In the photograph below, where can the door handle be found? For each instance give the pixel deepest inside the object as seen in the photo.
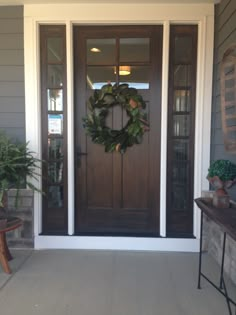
(78, 157)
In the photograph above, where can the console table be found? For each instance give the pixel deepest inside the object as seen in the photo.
(226, 220)
(5, 255)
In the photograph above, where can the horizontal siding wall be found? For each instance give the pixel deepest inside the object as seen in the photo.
(12, 98)
(225, 35)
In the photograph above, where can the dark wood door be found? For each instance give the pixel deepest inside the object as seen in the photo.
(118, 194)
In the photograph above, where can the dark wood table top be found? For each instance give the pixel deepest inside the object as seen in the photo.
(12, 223)
(225, 218)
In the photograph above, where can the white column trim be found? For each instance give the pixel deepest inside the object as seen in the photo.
(203, 111)
(32, 108)
(164, 116)
(70, 127)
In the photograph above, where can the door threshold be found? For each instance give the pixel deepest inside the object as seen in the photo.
(117, 243)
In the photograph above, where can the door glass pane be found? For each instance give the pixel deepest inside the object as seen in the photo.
(55, 49)
(138, 78)
(180, 150)
(183, 49)
(181, 101)
(182, 75)
(55, 76)
(55, 170)
(55, 196)
(55, 148)
(55, 99)
(134, 49)
(101, 51)
(179, 198)
(98, 76)
(55, 124)
(181, 125)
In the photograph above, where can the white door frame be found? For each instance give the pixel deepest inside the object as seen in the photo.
(108, 14)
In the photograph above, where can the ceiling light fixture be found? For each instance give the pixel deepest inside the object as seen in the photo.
(95, 49)
(124, 70)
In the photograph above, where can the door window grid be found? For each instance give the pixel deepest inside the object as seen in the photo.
(54, 134)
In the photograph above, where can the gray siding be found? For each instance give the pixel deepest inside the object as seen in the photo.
(12, 97)
(225, 35)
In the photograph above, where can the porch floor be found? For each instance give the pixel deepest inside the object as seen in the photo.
(75, 282)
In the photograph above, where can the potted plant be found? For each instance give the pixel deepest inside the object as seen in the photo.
(18, 166)
(222, 175)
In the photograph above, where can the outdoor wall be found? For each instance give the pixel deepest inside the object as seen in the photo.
(225, 34)
(12, 100)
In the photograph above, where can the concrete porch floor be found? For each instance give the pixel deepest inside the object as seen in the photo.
(75, 282)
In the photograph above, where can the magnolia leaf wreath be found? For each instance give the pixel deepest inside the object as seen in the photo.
(99, 105)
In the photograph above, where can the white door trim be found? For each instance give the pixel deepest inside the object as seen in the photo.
(106, 14)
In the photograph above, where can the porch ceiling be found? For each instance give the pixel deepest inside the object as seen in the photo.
(21, 2)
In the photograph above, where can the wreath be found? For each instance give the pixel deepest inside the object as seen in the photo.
(95, 121)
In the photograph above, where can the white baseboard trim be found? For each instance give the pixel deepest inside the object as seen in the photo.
(116, 243)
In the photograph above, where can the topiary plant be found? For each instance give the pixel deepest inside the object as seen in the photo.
(222, 174)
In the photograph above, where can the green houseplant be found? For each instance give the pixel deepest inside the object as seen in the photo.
(222, 175)
(18, 166)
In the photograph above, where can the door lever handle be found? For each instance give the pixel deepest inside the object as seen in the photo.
(78, 157)
(81, 153)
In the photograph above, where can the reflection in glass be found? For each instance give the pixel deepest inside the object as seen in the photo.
(183, 49)
(134, 49)
(182, 75)
(55, 76)
(181, 101)
(55, 124)
(138, 78)
(55, 148)
(55, 196)
(101, 51)
(55, 99)
(179, 173)
(54, 49)
(98, 76)
(180, 150)
(179, 197)
(55, 171)
(181, 125)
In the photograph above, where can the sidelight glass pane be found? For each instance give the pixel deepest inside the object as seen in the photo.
(55, 76)
(55, 99)
(55, 196)
(55, 148)
(101, 51)
(55, 49)
(183, 49)
(181, 126)
(179, 198)
(55, 124)
(181, 101)
(55, 171)
(134, 49)
(180, 150)
(180, 173)
(182, 75)
(98, 76)
(138, 78)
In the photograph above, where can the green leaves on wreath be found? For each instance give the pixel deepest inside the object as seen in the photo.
(95, 121)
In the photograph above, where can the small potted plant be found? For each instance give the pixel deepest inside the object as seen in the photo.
(221, 175)
(18, 166)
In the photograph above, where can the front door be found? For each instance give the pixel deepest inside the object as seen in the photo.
(118, 194)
